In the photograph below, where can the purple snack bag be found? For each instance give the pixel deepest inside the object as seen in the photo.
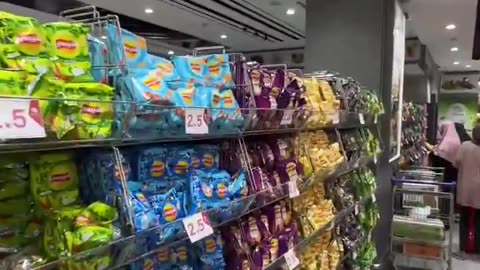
(257, 258)
(276, 183)
(281, 149)
(251, 231)
(286, 241)
(267, 156)
(256, 176)
(263, 226)
(275, 221)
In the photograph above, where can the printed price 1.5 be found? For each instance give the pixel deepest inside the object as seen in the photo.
(197, 227)
(20, 118)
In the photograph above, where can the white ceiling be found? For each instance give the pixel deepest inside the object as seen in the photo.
(171, 15)
(429, 18)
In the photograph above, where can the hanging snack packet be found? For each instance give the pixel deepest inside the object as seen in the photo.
(98, 53)
(68, 50)
(24, 45)
(13, 83)
(163, 69)
(90, 119)
(128, 49)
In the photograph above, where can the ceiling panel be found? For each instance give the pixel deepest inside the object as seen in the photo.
(429, 18)
(209, 19)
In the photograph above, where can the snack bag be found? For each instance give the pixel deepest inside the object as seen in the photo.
(192, 69)
(209, 157)
(54, 181)
(13, 83)
(24, 45)
(163, 69)
(68, 50)
(127, 48)
(98, 53)
(219, 74)
(211, 253)
(89, 119)
(226, 115)
(151, 164)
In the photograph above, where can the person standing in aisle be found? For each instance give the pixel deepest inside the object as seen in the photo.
(443, 155)
(468, 192)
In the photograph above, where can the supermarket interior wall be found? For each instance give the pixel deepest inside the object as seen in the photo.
(355, 38)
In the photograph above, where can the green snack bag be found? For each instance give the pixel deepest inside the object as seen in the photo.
(90, 119)
(13, 189)
(53, 180)
(13, 83)
(25, 33)
(96, 213)
(68, 50)
(85, 238)
(13, 223)
(16, 206)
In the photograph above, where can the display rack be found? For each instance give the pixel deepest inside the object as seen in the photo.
(344, 110)
(414, 134)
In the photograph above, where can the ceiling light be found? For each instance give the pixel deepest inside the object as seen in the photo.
(148, 10)
(103, 37)
(171, 52)
(223, 36)
(468, 66)
(290, 11)
(456, 63)
(454, 49)
(450, 26)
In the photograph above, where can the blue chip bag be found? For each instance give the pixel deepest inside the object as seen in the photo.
(135, 49)
(200, 190)
(219, 74)
(226, 115)
(191, 69)
(98, 53)
(179, 161)
(163, 259)
(211, 253)
(209, 156)
(220, 182)
(169, 208)
(163, 69)
(181, 257)
(152, 164)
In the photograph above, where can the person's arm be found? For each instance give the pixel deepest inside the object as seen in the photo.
(458, 158)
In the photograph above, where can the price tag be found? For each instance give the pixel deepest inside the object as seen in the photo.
(195, 121)
(197, 227)
(374, 198)
(356, 210)
(291, 259)
(375, 119)
(375, 159)
(334, 116)
(361, 118)
(287, 118)
(20, 118)
(293, 189)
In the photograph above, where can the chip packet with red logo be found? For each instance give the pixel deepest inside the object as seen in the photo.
(68, 51)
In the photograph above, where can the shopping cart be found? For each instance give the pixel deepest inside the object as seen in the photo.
(423, 212)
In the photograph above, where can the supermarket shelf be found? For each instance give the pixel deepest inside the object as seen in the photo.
(249, 204)
(341, 169)
(253, 122)
(278, 263)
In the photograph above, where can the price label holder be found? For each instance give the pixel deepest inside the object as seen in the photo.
(361, 117)
(287, 117)
(195, 122)
(293, 189)
(291, 259)
(197, 227)
(334, 116)
(20, 119)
